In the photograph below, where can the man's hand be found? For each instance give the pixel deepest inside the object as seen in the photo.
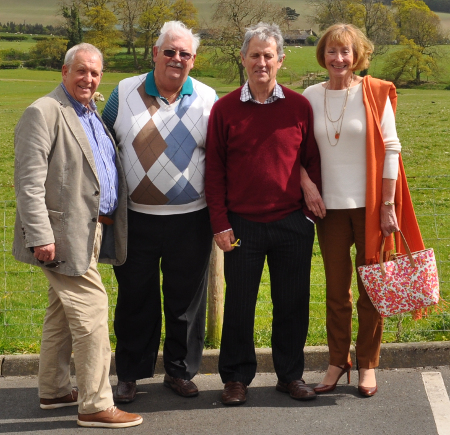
(224, 240)
(45, 252)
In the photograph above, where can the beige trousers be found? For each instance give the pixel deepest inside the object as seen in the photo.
(77, 317)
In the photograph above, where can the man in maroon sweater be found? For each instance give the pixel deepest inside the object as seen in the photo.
(260, 137)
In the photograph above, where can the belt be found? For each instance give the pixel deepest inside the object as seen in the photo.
(105, 220)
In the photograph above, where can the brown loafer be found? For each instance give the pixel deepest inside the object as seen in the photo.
(297, 389)
(125, 392)
(70, 399)
(234, 393)
(112, 417)
(181, 386)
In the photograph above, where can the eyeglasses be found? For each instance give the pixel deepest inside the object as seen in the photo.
(237, 243)
(184, 55)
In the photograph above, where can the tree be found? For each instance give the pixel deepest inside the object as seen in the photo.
(231, 18)
(185, 11)
(49, 53)
(128, 12)
(371, 16)
(406, 63)
(417, 23)
(289, 16)
(72, 25)
(102, 32)
(155, 14)
(99, 21)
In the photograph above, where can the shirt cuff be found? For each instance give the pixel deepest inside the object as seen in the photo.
(224, 231)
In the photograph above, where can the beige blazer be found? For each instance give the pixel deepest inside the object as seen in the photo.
(57, 189)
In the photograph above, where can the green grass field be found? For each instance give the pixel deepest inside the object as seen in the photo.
(423, 126)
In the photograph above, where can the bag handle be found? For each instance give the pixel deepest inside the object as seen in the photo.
(408, 252)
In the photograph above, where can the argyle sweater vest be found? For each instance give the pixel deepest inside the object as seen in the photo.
(162, 147)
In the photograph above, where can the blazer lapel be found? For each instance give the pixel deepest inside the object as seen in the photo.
(75, 126)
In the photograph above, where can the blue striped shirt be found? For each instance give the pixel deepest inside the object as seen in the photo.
(104, 154)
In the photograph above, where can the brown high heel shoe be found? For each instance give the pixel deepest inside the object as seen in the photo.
(322, 388)
(367, 391)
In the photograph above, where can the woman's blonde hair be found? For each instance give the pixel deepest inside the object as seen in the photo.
(343, 34)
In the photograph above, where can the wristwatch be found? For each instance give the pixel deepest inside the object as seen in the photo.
(388, 203)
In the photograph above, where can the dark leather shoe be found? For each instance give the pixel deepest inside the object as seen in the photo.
(234, 393)
(367, 391)
(297, 389)
(125, 392)
(111, 418)
(181, 386)
(70, 399)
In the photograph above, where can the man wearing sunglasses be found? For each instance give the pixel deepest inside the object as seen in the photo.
(71, 214)
(159, 120)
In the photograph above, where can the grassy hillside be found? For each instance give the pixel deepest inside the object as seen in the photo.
(46, 11)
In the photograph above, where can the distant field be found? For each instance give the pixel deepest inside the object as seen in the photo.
(45, 11)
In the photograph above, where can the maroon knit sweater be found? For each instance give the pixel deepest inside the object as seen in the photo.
(253, 155)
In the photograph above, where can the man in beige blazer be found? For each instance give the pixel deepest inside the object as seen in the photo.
(71, 214)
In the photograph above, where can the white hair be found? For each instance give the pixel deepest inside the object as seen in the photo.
(84, 46)
(175, 29)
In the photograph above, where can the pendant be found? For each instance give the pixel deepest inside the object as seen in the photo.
(337, 135)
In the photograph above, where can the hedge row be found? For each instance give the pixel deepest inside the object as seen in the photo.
(14, 37)
(10, 64)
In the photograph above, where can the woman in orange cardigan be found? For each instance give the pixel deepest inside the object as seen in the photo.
(364, 195)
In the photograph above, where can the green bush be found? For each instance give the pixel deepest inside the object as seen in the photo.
(10, 64)
(13, 54)
(310, 40)
(48, 53)
(14, 37)
(41, 38)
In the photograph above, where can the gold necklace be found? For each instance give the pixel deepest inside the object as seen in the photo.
(340, 119)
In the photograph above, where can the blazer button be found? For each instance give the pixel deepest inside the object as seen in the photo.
(96, 193)
(94, 219)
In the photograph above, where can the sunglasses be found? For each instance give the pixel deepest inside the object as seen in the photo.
(184, 55)
(50, 265)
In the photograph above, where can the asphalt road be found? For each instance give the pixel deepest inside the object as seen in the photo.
(401, 406)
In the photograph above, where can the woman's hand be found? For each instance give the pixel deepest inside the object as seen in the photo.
(388, 217)
(388, 220)
(311, 194)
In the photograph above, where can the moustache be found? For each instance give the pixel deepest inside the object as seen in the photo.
(175, 64)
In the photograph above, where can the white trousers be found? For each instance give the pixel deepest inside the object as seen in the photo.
(77, 318)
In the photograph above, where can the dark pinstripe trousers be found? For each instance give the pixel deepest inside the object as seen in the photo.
(287, 244)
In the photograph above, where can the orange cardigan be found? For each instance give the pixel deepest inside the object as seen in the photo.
(375, 94)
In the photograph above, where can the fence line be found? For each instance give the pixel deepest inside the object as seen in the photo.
(23, 288)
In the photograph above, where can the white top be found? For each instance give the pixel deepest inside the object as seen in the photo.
(344, 165)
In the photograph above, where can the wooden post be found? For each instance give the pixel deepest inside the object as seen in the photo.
(215, 296)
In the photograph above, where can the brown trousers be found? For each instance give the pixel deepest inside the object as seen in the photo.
(337, 232)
